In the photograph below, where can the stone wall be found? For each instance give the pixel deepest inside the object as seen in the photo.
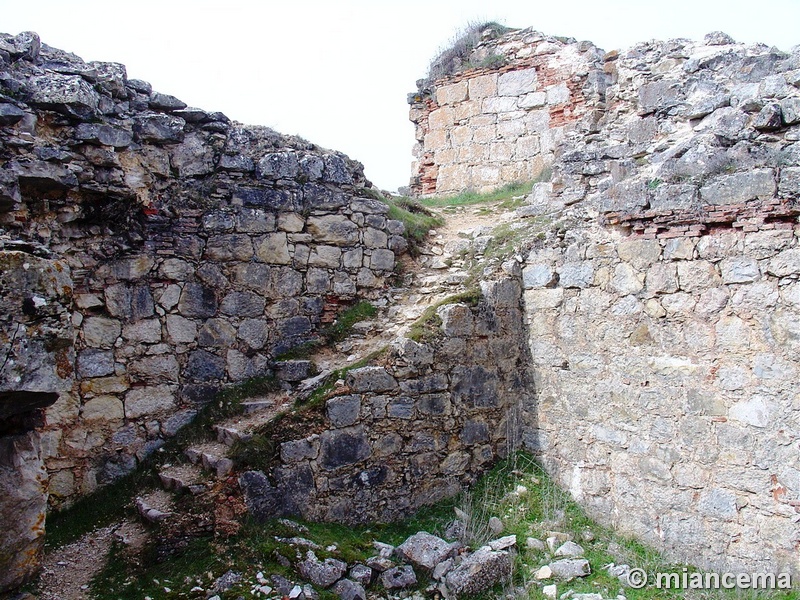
(663, 317)
(485, 127)
(415, 429)
(199, 249)
(36, 359)
(666, 389)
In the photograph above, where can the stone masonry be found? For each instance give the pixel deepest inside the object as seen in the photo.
(663, 324)
(199, 249)
(418, 428)
(485, 127)
(36, 358)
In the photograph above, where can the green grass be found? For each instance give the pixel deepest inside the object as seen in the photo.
(337, 331)
(417, 219)
(534, 511)
(467, 198)
(343, 326)
(428, 326)
(262, 451)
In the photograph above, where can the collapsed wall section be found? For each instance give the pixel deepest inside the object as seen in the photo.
(420, 426)
(487, 126)
(199, 249)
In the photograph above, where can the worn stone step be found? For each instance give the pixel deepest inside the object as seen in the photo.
(252, 406)
(241, 427)
(212, 456)
(155, 506)
(183, 478)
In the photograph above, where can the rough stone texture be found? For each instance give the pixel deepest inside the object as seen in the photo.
(321, 573)
(36, 338)
(424, 550)
(408, 433)
(691, 380)
(479, 571)
(483, 127)
(23, 502)
(198, 249)
(662, 325)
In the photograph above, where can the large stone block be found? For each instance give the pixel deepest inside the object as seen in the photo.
(343, 411)
(517, 83)
(204, 366)
(149, 400)
(334, 229)
(740, 187)
(474, 386)
(370, 379)
(216, 333)
(273, 249)
(452, 94)
(160, 368)
(343, 447)
(229, 247)
(101, 332)
(94, 362)
(242, 304)
(197, 300)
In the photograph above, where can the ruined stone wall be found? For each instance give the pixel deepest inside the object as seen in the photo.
(421, 426)
(488, 126)
(199, 249)
(663, 314)
(36, 356)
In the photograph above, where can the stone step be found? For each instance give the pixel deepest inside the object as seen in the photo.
(241, 427)
(155, 506)
(253, 406)
(212, 456)
(183, 478)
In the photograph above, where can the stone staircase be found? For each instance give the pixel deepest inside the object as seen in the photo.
(438, 272)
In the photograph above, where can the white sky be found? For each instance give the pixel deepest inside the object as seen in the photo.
(337, 72)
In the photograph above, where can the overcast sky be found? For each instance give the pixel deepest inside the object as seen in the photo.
(337, 72)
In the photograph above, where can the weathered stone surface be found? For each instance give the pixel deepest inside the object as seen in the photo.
(350, 590)
(321, 573)
(159, 128)
(343, 447)
(398, 578)
(23, 503)
(149, 400)
(204, 366)
(569, 568)
(66, 94)
(93, 362)
(263, 500)
(343, 410)
(424, 550)
(333, 229)
(479, 571)
(370, 379)
(197, 300)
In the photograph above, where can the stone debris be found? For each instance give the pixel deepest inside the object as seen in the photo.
(570, 568)
(322, 573)
(479, 571)
(401, 577)
(424, 550)
(569, 549)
